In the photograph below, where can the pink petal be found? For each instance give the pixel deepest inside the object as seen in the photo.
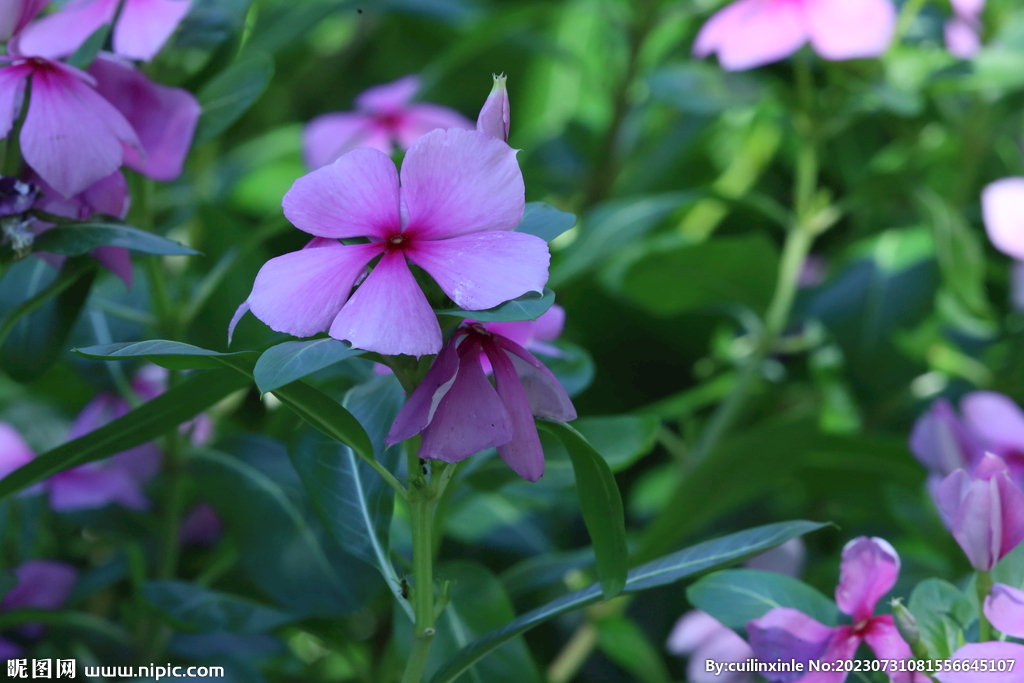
(752, 33)
(725, 646)
(885, 640)
(787, 559)
(523, 453)
(145, 25)
(302, 292)
(940, 441)
(549, 326)
(495, 116)
(164, 118)
(547, 397)
(1002, 206)
(329, 136)
(471, 417)
(64, 31)
(421, 404)
(14, 452)
(389, 313)
(977, 523)
(693, 630)
(519, 331)
(420, 119)
(986, 651)
(968, 8)
(240, 312)
(1004, 607)
(963, 39)
(94, 486)
(995, 418)
(104, 408)
(108, 195)
(16, 14)
(456, 182)
(850, 29)
(356, 196)
(118, 261)
(868, 571)
(788, 634)
(480, 271)
(42, 584)
(390, 97)
(141, 463)
(12, 83)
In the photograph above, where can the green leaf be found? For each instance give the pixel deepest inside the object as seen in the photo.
(620, 440)
(541, 571)
(529, 306)
(231, 92)
(943, 613)
(87, 51)
(150, 420)
(75, 239)
(625, 643)
(574, 368)
(601, 504)
(545, 221)
(167, 354)
(287, 362)
(196, 608)
(663, 571)
(280, 25)
(736, 596)
(700, 88)
(324, 413)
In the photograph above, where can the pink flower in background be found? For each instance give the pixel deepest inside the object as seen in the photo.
(1002, 205)
(385, 118)
(869, 569)
(459, 413)
(453, 214)
(495, 117)
(985, 510)
(142, 28)
(201, 526)
(15, 15)
(751, 33)
(1004, 608)
(963, 31)
(14, 452)
(42, 584)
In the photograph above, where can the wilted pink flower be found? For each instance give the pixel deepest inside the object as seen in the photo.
(42, 584)
(751, 33)
(495, 117)
(461, 197)
(201, 526)
(459, 413)
(1004, 608)
(15, 15)
(142, 28)
(72, 137)
(868, 571)
(985, 511)
(385, 118)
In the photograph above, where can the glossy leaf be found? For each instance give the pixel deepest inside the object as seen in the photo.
(620, 440)
(196, 608)
(943, 613)
(601, 504)
(663, 571)
(75, 239)
(167, 354)
(324, 413)
(545, 221)
(529, 306)
(287, 362)
(230, 94)
(736, 596)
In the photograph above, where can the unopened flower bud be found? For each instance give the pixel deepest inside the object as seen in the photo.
(494, 117)
(906, 624)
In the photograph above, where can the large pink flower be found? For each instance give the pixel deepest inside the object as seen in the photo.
(142, 27)
(453, 214)
(868, 571)
(385, 117)
(751, 33)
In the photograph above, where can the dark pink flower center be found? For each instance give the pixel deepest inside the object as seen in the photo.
(389, 120)
(397, 242)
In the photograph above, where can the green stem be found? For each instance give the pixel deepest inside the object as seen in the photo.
(906, 19)
(984, 586)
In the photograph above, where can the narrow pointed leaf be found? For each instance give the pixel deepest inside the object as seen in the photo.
(196, 608)
(167, 354)
(287, 362)
(75, 239)
(231, 92)
(736, 596)
(545, 221)
(529, 306)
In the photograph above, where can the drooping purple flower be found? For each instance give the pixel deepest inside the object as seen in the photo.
(985, 510)
(534, 335)
(459, 412)
(453, 214)
(385, 118)
(495, 116)
(142, 28)
(42, 584)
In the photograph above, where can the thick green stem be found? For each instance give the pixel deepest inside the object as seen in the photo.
(984, 586)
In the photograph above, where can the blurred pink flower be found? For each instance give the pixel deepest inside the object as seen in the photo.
(201, 526)
(42, 584)
(751, 33)
(495, 117)
(460, 198)
(385, 118)
(963, 31)
(459, 413)
(142, 28)
(1002, 204)
(16, 14)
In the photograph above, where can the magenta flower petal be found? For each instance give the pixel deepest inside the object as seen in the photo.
(995, 650)
(941, 442)
(94, 486)
(885, 640)
(329, 136)
(140, 463)
(12, 84)
(145, 25)
(42, 584)
(1001, 204)
(14, 452)
(16, 14)
(995, 418)
(480, 271)
(495, 116)
(549, 326)
(456, 182)
(389, 313)
(523, 452)
(390, 97)
(356, 196)
(868, 571)
(118, 261)
(301, 293)
(788, 634)
(850, 29)
(164, 118)
(471, 417)
(1004, 607)
(61, 33)
(419, 408)
(240, 312)
(420, 119)
(546, 395)
(752, 33)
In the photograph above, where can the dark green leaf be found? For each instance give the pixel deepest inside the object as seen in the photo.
(529, 306)
(601, 504)
(669, 569)
(943, 613)
(196, 608)
(545, 221)
(700, 88)
(574, 368)
(324, 413)
(626, 644)
(229, 94)
(75, 239)
(287, 362)
(87, 51)
(620, 440)
(168, 354)
(150, 420)
(280, 25)
(736, 596)
(544, 570)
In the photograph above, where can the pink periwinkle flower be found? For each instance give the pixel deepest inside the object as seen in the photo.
(16, 14)
(453, 214)
(963, 31)
(42, 584)
(142, 28)
(1004, 608)
(385, 118)
(1002, 204)
(495, 117)
(985, 510)
(459, 413)
(750, 33)
(868, 571)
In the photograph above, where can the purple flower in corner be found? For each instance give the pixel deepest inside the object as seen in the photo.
(42, 584)
(459, 412)
(1004, 608)
(385, 118)
(453, 214)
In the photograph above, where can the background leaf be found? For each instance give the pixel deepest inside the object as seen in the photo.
(199, 609)
(282, 364)
(736, 596)
(227, 96)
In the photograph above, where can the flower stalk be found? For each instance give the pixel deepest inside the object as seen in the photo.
(984, 587)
